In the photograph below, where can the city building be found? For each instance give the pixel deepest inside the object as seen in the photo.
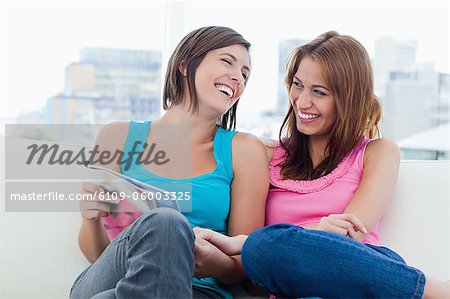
(109, 85)
(392, 56)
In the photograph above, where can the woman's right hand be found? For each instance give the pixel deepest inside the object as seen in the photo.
(93, 209)
(342, 224)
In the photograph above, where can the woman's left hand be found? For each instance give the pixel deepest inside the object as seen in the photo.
(342, 224)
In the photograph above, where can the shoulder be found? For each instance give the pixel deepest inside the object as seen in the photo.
(270, 145)
(113, 134)
(381, 149)
(111, 138)
(247, 148)
(246, 142)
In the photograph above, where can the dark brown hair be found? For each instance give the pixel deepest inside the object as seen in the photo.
(191, 51)
(348, 72)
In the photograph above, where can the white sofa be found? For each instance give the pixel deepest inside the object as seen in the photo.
(39, 255)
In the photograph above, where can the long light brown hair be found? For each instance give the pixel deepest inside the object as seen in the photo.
(347, 71)
(191, 51)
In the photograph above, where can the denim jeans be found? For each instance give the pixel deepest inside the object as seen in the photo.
(290, 261)
(152, 258)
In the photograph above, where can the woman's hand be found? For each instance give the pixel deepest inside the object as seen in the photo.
(213, 251)
(342, 224)
(209, 260)
(96, 208)
(93, 238)
(228, 245)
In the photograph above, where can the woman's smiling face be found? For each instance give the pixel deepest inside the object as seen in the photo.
(221, 76)
(312, 100)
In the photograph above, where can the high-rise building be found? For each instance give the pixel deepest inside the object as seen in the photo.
(406, 107)
(441, 111)
(392, 56)
(108, 85)
(408, 90)
(415, 101)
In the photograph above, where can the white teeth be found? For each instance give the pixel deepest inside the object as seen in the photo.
(225, 89)
(308, 116)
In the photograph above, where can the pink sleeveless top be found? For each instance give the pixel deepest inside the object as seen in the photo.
(306, 202)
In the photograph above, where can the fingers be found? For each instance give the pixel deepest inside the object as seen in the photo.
(93, 215)
(352, 233)
(92, 189)
(200, 244)
(352, 219)
(96, 206)
(228, 245)
(209, 235)
(89, 187)
(342, 224)
(357, 223)
(330, 226)
(200, 253)
(93, 208)
(203, 233)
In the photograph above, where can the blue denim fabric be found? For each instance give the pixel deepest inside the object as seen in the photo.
(290, 261)
(152, 258)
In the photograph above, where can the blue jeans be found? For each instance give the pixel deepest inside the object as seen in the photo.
(152, 258)
(290, 261)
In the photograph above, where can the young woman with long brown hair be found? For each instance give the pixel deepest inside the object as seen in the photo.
(331, 181)
(156, 256)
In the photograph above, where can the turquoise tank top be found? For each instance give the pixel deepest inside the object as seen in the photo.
(210, 192)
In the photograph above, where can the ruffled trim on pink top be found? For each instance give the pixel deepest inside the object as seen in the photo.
(313, 185)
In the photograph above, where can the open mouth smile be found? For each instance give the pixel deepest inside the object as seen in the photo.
(225, 89)
(308, 116)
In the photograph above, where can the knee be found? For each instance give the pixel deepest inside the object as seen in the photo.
(264, 247)
(163, 219)
(272, 236)
(164, 216)
(253, 252)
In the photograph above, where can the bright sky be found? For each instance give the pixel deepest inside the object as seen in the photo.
(38, 39)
